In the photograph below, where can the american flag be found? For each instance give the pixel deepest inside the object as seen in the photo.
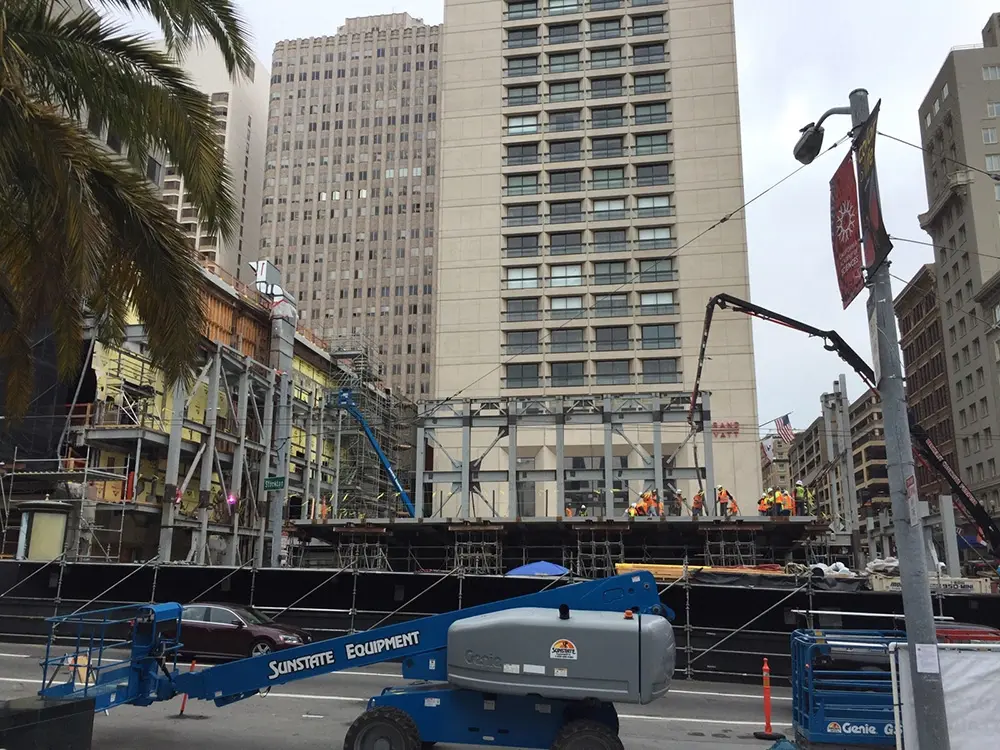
(784, 428)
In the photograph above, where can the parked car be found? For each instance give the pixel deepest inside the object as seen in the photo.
(209, 629)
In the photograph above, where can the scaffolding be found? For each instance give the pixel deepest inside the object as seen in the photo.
(77, 479)
(730, 547)
(477, 551)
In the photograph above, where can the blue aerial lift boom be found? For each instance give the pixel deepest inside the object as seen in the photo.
(345, 402)
(538, 671)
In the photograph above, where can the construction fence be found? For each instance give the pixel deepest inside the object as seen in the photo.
(723, 630)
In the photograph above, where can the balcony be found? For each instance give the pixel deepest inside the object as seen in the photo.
(566, 187)
(612, 311)
(660, 343)
(512, 190)
(520, 316)
(566, 313)
(659, 243)
(648, 29)
(520, 43)
(522, 72)
(521, 159)
(536, 382)
(652, 277)
(607, 93)
(566, 67)
(613, 214)
(521, 252)
(564, 38)
(608, 122)
(522, 101)
(610, 33)
(615, 278)
(522, 221)
(564, 10)
(562, 156)
(646, 3)
(570, 217)
(652, 378)
(514, 350)
(670, 309)
(596, 5)
(654, 212)
(563, 127)
(656, 118)
(607, 62)
(567, 347)
(565, 96)
(653, 180)
(614, 379)
(521, 13)
(616, 183)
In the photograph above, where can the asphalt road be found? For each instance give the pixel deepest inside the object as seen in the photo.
(316, 713)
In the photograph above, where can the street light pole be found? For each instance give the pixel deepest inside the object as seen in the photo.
(921, 634)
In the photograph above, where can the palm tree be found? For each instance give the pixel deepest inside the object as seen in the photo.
(82, 231)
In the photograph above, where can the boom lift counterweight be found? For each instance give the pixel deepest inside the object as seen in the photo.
(538, 671)
(924, 448)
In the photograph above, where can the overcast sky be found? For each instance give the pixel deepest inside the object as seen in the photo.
(795, 62)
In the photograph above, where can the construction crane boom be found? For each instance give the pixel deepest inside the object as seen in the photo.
(924, 448)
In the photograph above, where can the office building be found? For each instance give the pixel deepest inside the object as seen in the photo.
(585, 147)
(871, 472)
(774, 463)
(928, 394)
(240, 110)
(349, 187)
(960, 124)
(810, 461)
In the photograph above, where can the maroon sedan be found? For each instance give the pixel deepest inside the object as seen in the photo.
(229, 630)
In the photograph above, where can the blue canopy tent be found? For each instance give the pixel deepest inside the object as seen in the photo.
(539, 569)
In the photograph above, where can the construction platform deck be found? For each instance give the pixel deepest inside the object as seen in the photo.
(586, 546)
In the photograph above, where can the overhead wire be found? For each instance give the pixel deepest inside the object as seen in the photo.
(631, 279)
(992, 175)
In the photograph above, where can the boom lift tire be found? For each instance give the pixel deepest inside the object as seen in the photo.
(587, 734)
(383, 728)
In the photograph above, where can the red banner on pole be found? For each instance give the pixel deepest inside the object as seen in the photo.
(846, 231)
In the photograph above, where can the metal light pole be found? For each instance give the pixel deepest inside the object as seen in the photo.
(921, 635)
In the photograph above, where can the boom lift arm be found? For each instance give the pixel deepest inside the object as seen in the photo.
(923, 446)
(345, 402)
(525, 672)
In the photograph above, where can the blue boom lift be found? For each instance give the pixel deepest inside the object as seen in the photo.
(537, 671)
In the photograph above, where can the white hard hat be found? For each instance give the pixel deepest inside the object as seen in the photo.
(770, 490)
(799, 483)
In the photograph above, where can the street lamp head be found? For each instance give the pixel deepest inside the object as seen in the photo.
(810, 143)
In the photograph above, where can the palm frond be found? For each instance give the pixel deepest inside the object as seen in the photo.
(86, 65)
(183, 22)
(84, 229)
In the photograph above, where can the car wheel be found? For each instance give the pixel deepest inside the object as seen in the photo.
(259, 648)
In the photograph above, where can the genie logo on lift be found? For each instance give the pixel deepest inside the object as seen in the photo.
(483, 660)
(289, 666)
(850, 728)
(392, 643)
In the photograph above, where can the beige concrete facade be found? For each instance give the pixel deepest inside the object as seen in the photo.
(350, 187)
(240, 110)
(582, 148)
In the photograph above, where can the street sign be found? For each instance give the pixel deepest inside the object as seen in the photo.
(274, 483)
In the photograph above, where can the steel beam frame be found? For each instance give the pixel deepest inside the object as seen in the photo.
(507, 415)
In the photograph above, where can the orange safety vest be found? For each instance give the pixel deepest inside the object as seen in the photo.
(763, 505)
(733, 509)
(699, 501)
(787, 502)
(725, 497)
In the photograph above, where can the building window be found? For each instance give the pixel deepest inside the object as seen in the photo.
(660, 371)
(522, 309)
(989, 135)
(522, 125)
(613, 272)
(993, 162)
(565, 308)
(567, 340)
(992, 109)
(611, 339)
(522, 246)
(522, 278)
(663, 336)
(614, 372)
(991, 72)
(522, 376)
(571, 275)
(521, 342)
(567, 374)
(656, 303)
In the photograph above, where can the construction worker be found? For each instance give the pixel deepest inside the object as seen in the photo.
(631, 511)
(724, 498)
(787, 506)
(734, 509)
(763, 505)
(569, 511)
(800, 498)
(698, 504)
(583, 510)
(678, 503)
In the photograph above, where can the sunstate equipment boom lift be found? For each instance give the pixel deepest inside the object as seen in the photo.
(923, 447)
(538, 671)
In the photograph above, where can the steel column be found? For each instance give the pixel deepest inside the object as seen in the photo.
(658, 461)
(267, 437)
(706, 433)
(320, 439)
(239, 459)
(512, 509)
(609, 458)
(466, 499)
(178, 412)
(307, 470)
(208, 457)
(418, 475)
